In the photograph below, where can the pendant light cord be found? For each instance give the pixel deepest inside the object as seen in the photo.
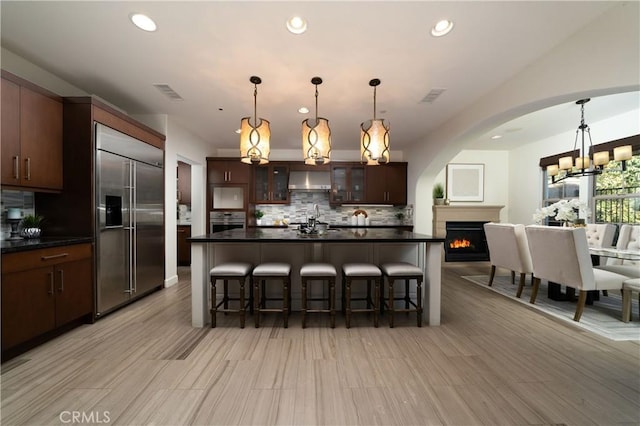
(316, 104)
(255, 104)
(374, 102)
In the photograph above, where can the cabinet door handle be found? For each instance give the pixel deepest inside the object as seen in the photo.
(229, 176)
(16, 167)
(61, 289)
(54, 256)
(27, 168)
(50, 282)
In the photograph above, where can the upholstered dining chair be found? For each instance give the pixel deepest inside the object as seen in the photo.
(508, 249)
(628, 239)
(561, 255)
(600, 235)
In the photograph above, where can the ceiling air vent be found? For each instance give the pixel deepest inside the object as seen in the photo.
(432, 96)
(166, 90)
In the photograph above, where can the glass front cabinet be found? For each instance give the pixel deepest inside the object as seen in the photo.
(271, 184)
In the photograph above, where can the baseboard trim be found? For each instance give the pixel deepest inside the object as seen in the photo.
(171, 281)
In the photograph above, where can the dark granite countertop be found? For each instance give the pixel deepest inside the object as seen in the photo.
(13, 246)
(337, 226)
(341, 235)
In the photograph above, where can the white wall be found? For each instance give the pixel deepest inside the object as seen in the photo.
(496, 187)
(603, 58)
(182, 145)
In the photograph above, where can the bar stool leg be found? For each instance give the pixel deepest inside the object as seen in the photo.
(419, 301)
(304, 301)
(348, 302)
(406, 295)
(213, 302)
(332, 301)
(256, 302)
(369, 298)
(225, 298)
(391, 307)
(241, 281)
(376, 303)
(285, 300)
(343, 304)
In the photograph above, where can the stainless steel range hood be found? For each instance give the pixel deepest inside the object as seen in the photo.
(309, 181)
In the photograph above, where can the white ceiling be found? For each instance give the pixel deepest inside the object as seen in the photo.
(206, 51)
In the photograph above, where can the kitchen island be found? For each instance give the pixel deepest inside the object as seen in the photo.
(336, 246)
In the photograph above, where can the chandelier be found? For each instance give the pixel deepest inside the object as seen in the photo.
(254, 138)
(583, 164)
(374, 136)
(316, 139)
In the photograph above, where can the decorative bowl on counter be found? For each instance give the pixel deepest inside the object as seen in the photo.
(30, 233)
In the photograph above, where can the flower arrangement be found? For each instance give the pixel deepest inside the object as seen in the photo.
(563, 211)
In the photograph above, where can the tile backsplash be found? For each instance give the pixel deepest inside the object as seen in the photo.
(301, 207)
(22, 200)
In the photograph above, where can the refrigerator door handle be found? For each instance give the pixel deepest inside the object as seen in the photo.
(129, 228)
(134, 231)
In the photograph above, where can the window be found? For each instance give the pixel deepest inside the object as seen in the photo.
(554, 192)
(616, 196)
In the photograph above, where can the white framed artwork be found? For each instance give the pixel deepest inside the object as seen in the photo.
(465, 182)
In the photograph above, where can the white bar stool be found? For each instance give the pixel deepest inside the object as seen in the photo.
(402, 271)
(271, 271)
(319, 272)
(366, 272)
(238, 271)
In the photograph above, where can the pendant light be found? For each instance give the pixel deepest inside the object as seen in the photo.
(374, 136)
(316, 139)
(583, 164)
(254, 138)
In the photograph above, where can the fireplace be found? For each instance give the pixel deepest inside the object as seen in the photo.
(465, 242)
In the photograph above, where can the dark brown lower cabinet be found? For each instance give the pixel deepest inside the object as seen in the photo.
(184, 248)
(43, 290)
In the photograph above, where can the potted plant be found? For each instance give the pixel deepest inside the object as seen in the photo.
(438, 194)
(258, 214)
(31, 225)
(400, 217)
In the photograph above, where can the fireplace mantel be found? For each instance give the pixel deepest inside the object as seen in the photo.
(466, 213)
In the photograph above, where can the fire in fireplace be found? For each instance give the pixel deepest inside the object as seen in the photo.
(465, 242)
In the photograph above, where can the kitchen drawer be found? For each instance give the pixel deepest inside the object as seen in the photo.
(14, 262)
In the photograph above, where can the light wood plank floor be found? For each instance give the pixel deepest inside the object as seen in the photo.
(492, 361)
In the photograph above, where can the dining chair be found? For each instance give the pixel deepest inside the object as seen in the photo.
(508, 249)
(561, 255)
(628, 239)
(600, 235)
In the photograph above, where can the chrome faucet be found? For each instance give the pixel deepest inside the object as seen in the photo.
(316, 211)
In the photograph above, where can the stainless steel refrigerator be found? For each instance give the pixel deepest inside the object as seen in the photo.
(129, 219)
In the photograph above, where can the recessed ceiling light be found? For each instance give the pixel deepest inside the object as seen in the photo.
(303, 110)
(143, 22)
(494, 137)
(238, 131)
(296, 25)
(442, 28)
